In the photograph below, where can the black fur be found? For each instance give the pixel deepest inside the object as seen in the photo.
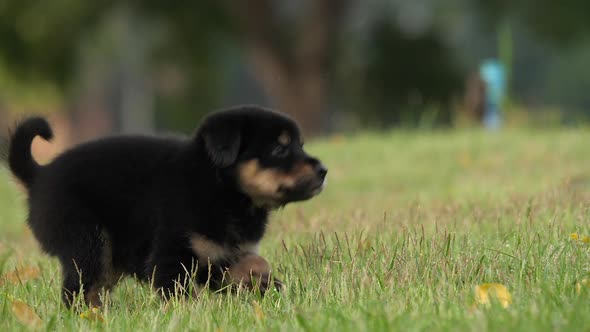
(20, 160)
(137, 199)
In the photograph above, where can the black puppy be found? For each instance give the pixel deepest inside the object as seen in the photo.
(154, 207)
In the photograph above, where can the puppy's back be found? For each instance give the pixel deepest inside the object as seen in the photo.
(115, 170)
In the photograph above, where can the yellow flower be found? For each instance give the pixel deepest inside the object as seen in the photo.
(584, 283)
(92, 314)
(258, 310)
(579, 238)
(484, 292)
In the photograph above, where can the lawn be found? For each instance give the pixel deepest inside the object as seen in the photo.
(409, 224)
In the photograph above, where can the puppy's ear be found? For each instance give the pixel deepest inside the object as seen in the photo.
(222, 139)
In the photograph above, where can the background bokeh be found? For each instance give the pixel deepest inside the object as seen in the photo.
(97, 67)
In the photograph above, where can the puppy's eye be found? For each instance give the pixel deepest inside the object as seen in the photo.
(280, 151)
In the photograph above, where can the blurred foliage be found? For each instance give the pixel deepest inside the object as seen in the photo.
(43, 40)
(195, 36)
(35, 95)
(557, 21)
(3, 148)
(40, 38)
(403, 79)
(409, 80)
(567, 86)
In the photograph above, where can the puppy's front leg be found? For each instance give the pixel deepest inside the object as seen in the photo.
(173, 267)
(254, 272)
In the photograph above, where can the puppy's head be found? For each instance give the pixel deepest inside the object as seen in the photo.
(263, 153)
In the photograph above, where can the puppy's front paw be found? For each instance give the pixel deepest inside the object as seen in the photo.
(254, 272)
(265, 283)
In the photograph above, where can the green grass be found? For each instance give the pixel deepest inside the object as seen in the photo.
(409, 224)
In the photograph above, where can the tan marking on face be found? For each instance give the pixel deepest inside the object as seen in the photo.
(303, 170)
(207, 249)
(300, 172)
(284, 138)
(262, 184)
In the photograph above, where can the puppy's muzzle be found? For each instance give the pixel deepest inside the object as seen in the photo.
(306, 186)
(272, 187)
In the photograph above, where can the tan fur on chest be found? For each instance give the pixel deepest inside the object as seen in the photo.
(210, 250)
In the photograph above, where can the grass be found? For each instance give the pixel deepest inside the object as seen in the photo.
(409, 224)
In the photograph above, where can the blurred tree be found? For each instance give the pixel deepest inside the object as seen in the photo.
(74, 44)
(171, 57)
(42, 38)
(293, 59)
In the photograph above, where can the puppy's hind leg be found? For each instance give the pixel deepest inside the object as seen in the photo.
(86, 262)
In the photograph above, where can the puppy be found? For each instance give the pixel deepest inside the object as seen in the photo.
(157, 208)
(253, 272)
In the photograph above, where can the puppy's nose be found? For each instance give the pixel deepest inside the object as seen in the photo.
(318, 167)
(321, 171)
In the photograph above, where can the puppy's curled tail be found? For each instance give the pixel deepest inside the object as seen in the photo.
(20, 159)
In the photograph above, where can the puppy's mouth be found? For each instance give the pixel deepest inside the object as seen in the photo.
(302, 191)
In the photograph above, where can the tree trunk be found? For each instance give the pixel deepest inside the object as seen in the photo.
(293, 77)
(301, 95)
